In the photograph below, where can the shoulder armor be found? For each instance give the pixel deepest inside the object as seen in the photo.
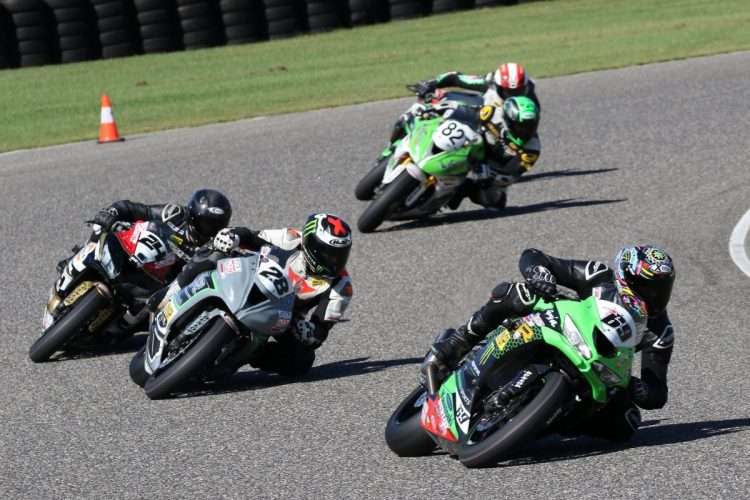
(286, 238)
(594, 268)
(172, 213)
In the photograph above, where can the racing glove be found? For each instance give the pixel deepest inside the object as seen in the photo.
(541, 281)
(105, 218)
(226, 240)
(426, 88)
(306, 332)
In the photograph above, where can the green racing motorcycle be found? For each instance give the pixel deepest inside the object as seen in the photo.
(426, 166)
(545, 372)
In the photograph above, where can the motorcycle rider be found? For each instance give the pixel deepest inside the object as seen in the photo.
(641, 281)
(192, 225)
(509, 80)
(511, 148)
(207, 211)
(315, 261)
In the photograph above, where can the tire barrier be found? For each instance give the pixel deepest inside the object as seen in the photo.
(439, 6)
(76, 31)
(31, 26)
(243, 21)
(367, 12)
(158, 25)
(117, 31)
(406, 9)
(37, 32)
(284, 18)
(324, 15)
(200, 23)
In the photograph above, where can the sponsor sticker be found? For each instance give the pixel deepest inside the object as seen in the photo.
(169, 311)
(229, 266)
(502, 340)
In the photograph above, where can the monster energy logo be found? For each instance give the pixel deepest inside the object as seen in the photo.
(310, 227)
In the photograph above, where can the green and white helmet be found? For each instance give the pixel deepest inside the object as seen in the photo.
(521, 119)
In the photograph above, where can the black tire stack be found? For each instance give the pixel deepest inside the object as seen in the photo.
(7, 43)
(200, 24)
(117, 32)
(30, 24)
(493, 3)
(367, 12)
(439, 6)
(158, 25)
(284, 17)
(76, 30)
(243, 21)
(324, 15)
(404, 9)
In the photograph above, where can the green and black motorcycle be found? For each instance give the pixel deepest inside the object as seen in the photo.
(545, 372)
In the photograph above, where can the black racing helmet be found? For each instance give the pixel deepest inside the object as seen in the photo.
(209, 211)
(648, 272)
(326, 243)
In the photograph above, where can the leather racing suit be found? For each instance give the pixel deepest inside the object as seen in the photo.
(620, 419)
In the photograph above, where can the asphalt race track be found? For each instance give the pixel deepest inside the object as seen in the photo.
(654, 153)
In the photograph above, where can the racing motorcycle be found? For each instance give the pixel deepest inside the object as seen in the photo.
(427, 165)
(241, 305)
(545, 372)
(101, 290)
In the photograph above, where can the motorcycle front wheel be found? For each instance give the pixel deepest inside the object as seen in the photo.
(393, 195)
(198, 357)
(54, 338)
(137, 368)
(403, 433)
(365, 189)
(493, 436)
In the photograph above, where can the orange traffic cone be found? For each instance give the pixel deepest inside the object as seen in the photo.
(108, 127)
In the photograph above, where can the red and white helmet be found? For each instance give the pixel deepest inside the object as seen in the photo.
(510, 80)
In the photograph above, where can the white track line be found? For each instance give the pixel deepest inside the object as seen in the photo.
(737, 244)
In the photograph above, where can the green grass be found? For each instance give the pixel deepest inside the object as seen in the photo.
(56, 104)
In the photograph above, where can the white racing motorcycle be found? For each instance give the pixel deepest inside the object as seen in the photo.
(247, 299)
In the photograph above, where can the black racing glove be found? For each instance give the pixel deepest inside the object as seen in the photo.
(541, 281)
(426, 88)
(105, 218)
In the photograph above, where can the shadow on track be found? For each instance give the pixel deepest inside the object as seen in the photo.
(568, 172)
(256, 379)
(485, 214)
(554, 449)
(129, 345)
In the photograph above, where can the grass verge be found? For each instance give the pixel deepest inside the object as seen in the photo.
(57, 104)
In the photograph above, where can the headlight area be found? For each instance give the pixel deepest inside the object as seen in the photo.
(571, 332)
(608, 376)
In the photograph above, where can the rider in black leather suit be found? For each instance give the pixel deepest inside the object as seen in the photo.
(641, 281)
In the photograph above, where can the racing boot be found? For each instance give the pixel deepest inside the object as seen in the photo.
(447, 351)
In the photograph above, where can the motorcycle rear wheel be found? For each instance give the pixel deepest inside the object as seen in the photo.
(66, 328)
(524, 425)
(403, 433)
(395, 193)
(198, 357)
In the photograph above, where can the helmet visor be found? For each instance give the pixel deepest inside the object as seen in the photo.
(655, 293)
(330, 260)
(523, 130)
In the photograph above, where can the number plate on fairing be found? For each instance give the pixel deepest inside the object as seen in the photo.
(452, 135)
